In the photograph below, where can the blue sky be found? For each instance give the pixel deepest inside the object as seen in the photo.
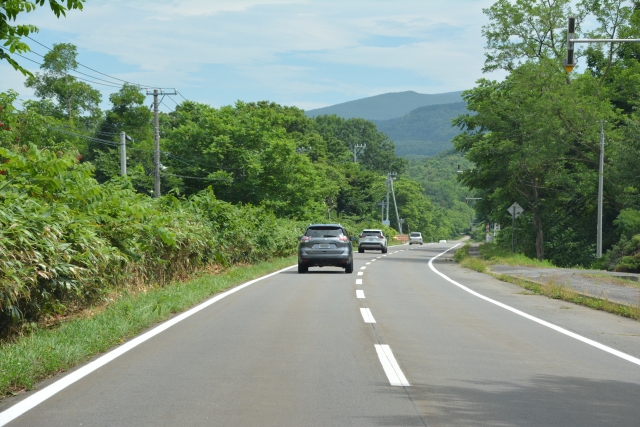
(308, 53)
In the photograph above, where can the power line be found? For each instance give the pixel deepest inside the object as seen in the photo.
(84, 74)
(181, 95)
(96, 71)
(75, 77)
(197, 177)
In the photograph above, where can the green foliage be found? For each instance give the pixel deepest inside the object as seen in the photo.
(548, 132)
(65, 239)
(439, 177)
(424, 131)
(462, 253)
(73, 97)
(12, 35)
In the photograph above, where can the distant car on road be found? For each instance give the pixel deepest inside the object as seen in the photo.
(415, 237)
(325, 245)
(372, 239)
(442, 241)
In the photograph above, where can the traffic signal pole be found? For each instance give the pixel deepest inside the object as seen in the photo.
(569, 63)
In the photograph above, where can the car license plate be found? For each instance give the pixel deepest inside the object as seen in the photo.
(325, 246)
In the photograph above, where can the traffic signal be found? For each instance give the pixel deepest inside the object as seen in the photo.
(569, 61)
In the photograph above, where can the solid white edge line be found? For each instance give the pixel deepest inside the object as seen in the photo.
(556, 328)
(32, 401)
(358, 281)
(359, 293)
(367, 316)
(390, 366)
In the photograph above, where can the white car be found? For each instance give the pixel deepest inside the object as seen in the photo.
(372, 239)
(415, 237)
(442, 241)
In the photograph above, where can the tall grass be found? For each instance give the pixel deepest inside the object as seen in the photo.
(66, 240)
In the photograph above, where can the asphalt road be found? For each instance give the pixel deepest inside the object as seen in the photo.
(298, 350)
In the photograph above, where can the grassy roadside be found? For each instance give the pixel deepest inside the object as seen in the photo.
(46, 352)
(550, 289)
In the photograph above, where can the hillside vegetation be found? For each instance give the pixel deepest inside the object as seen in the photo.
(425, 131)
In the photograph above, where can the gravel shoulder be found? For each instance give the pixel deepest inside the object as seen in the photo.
(622, 288)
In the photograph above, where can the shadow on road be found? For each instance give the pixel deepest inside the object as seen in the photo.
(544, 401)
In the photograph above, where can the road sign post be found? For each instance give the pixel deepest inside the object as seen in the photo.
(515, 210)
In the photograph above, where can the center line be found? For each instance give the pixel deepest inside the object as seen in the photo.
(359, 293)
(363, 267)
(358, 281)
(369, 262)
(360, 273)
(390, 366)
(367, 316)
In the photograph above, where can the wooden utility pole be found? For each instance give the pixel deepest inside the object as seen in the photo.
(156, 147)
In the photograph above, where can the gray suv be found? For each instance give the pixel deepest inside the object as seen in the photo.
(372, 239)
(325, 245)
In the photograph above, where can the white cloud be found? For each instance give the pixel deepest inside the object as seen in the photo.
(279, 45)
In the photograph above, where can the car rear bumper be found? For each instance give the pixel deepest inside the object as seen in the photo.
(372, 245)
(332, 259)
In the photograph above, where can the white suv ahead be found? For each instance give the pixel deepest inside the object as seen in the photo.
(372, 239)
(415, 237)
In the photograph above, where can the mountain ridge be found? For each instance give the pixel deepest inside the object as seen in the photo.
(386, 106)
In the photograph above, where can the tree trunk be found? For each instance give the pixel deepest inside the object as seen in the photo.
(537, 223)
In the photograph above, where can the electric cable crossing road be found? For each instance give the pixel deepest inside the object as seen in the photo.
(414, 340)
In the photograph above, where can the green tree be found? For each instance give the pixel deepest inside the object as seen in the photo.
(534, 141)
(73, 97)
(12, 35)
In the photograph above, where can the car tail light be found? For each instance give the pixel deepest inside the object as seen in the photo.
(343, 238)
(380, 237)
(305, 239)
(362, 236)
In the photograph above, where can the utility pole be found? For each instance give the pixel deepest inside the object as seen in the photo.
(387, 221)
(123, 152)
(391, 178)
(355, 151)
(600, 192)
(156, 147)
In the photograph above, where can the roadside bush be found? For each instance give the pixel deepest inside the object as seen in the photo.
(66, 240)
(462, 253)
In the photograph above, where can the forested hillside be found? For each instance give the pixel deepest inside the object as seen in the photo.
(439, 177)
(535, 136)
(425, 131)
(386, 106)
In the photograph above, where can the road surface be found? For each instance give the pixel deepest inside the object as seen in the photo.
(393, 344)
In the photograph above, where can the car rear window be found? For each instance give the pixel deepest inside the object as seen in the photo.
(371, 233)
(324, 232)
(415, 234)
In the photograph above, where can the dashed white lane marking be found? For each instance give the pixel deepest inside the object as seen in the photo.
(533, 318)
(35, 399)
(383, 255)
(390, 366)
(363, 267)
(367, 316)
(360, 273)
(358, 281)
(369, 262)
(359, 293)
